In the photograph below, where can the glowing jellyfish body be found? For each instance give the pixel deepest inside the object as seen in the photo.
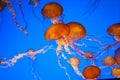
(58, 32)
(109, 61)
(2, 5)
(116, 72)
(52, 10)
(91, 72)
(74, 62)
(77, 31)
(117, 55)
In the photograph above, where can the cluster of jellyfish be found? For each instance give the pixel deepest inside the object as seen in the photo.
(66, 36)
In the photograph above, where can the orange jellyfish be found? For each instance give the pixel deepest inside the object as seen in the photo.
(91, 72)
(116, 72)
(74, 62)
(2, 5)
(117, 55)
(77, 31)
(108, 61)
(58, 31)
(52, 10)
(113, 30)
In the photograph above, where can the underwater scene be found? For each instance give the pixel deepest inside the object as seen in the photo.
(59, 39)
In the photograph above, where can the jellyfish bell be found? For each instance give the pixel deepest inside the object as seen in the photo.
(117, 55)
(52, 10)
(91, 72)
(114, 30)
(108, 61)
(58, 32)
(74, 62)
(116, 72)
(77, 30)
(2, 5)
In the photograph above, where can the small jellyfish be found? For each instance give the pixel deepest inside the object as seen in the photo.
(89, 56)
(52, 10)
(33, 2)
(74, 62)
(117, 55)
(116, 72)
(91, 72)
(2, 5)
(108, 61)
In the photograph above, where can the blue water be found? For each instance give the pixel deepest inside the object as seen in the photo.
(95, 15)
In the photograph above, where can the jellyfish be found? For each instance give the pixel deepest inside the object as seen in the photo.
(117, 55)
(91, 72)
(108, 61)
(33, 2)
(2, 5)
(89, 56)
(116, 72)
(113, 30)
(52, 10)
(8, 2)
(58, 32)
(74, 62)
(77, 31)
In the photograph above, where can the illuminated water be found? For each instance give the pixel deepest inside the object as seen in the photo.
(95, 15)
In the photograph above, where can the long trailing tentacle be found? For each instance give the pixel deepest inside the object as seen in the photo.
(21, 9)
(14, 16)
(106, 48)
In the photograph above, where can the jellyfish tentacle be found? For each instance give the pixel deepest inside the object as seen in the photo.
(11, 62)
(78, 72)
(63, 67)
(20, 6)
(14, 16)
(106, 48)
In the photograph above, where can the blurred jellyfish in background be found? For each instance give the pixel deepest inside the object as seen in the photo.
(52, 10)
(33, 2)
(3, 3)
